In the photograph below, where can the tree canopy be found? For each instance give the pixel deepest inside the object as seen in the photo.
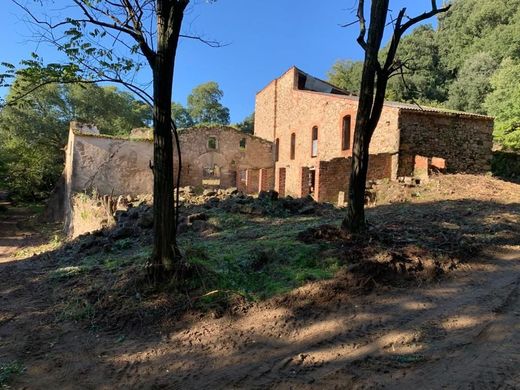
(456, 65)
(34, 132)
(204, 104)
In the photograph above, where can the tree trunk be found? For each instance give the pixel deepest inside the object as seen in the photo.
(354, 221)
(166, 258)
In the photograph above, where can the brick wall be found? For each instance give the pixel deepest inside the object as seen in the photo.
(252, 180)
(282, 109)
(464, 141)
(266, 179)
(280, 181)
(226, 161)
(333, 176)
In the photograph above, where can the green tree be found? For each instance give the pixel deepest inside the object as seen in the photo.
(504, 103)
(34, 132)
(247, 125)
(181, 116)
(424, 78)
(473, 83)
(346, 75)
(114, 112)
(111, 41)
(204, 104)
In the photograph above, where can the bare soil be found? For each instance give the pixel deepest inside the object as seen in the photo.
(458, 328)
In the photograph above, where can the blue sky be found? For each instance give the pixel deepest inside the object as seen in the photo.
(264, 37)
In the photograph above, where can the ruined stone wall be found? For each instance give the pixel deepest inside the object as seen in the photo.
(265, 108)
(333, 176)
(109, 165)
(463, 140)
(234, 153)
(282, 109)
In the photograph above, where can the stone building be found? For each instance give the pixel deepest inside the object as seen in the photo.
(216, 157)
(311, 124)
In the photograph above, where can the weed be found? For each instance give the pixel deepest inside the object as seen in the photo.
(77, 309)
(8, 371)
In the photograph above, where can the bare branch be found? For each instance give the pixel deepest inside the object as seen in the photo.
(362, 25)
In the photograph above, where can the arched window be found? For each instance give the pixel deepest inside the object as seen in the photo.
(345, 133)
(276, 149)
(293, 145)
(242, 143)
(314, 148)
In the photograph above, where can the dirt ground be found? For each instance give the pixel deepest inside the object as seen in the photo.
(461, 331)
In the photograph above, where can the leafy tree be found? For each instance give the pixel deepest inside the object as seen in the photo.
(473, 83)
(424, 77)
(204, 104)
(34, 132)
(346, 75)
(248, 124)
(504, 103)
(181, 116)
(32, 136)
(374, 81)
(112, 111)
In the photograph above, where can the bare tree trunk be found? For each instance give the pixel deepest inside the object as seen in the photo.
(355, 219)
(166, 258)
(371, 99)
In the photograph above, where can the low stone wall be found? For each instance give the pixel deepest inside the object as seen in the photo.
(463, 140)
(333, 176)
(506, 165)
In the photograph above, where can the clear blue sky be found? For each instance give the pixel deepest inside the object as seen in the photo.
(265, 38)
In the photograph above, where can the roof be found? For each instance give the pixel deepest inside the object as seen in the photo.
(342, 94)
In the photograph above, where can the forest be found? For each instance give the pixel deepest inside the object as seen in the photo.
(469, 62)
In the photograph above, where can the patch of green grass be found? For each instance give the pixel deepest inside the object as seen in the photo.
(54, 240)
(8, 371)
(77, 309)
(261, 257)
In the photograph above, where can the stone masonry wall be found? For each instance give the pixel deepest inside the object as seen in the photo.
(464, 141)
(203, 165)
(333, 176)
(282, 109)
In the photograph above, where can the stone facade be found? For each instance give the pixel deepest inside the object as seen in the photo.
(213, 157)
(312, 124)
(463, 141)
(222, 157)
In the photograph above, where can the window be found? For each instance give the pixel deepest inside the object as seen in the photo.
(243, 143)
(293, 145)
(212, 143)
(276, 149)
(345, 133)
(314, 148)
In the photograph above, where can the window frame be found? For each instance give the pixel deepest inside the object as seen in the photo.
(346, 133)
(292, 154)
(314, 141)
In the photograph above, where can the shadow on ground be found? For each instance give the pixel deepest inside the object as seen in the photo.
(73, 313)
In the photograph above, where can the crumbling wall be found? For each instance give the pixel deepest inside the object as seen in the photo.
(463, 140)
(333, 176)
(217, 156)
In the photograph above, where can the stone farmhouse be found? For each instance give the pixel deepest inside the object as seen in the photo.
(311, 124)
(302, 145)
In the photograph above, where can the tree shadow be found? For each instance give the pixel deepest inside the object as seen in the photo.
(326, 332)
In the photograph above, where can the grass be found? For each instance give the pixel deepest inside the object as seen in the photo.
(8, 372)
(121, 256)
(258, 258)
(54, 239)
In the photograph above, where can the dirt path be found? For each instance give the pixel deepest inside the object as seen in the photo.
(463, 333)
(12, 235)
